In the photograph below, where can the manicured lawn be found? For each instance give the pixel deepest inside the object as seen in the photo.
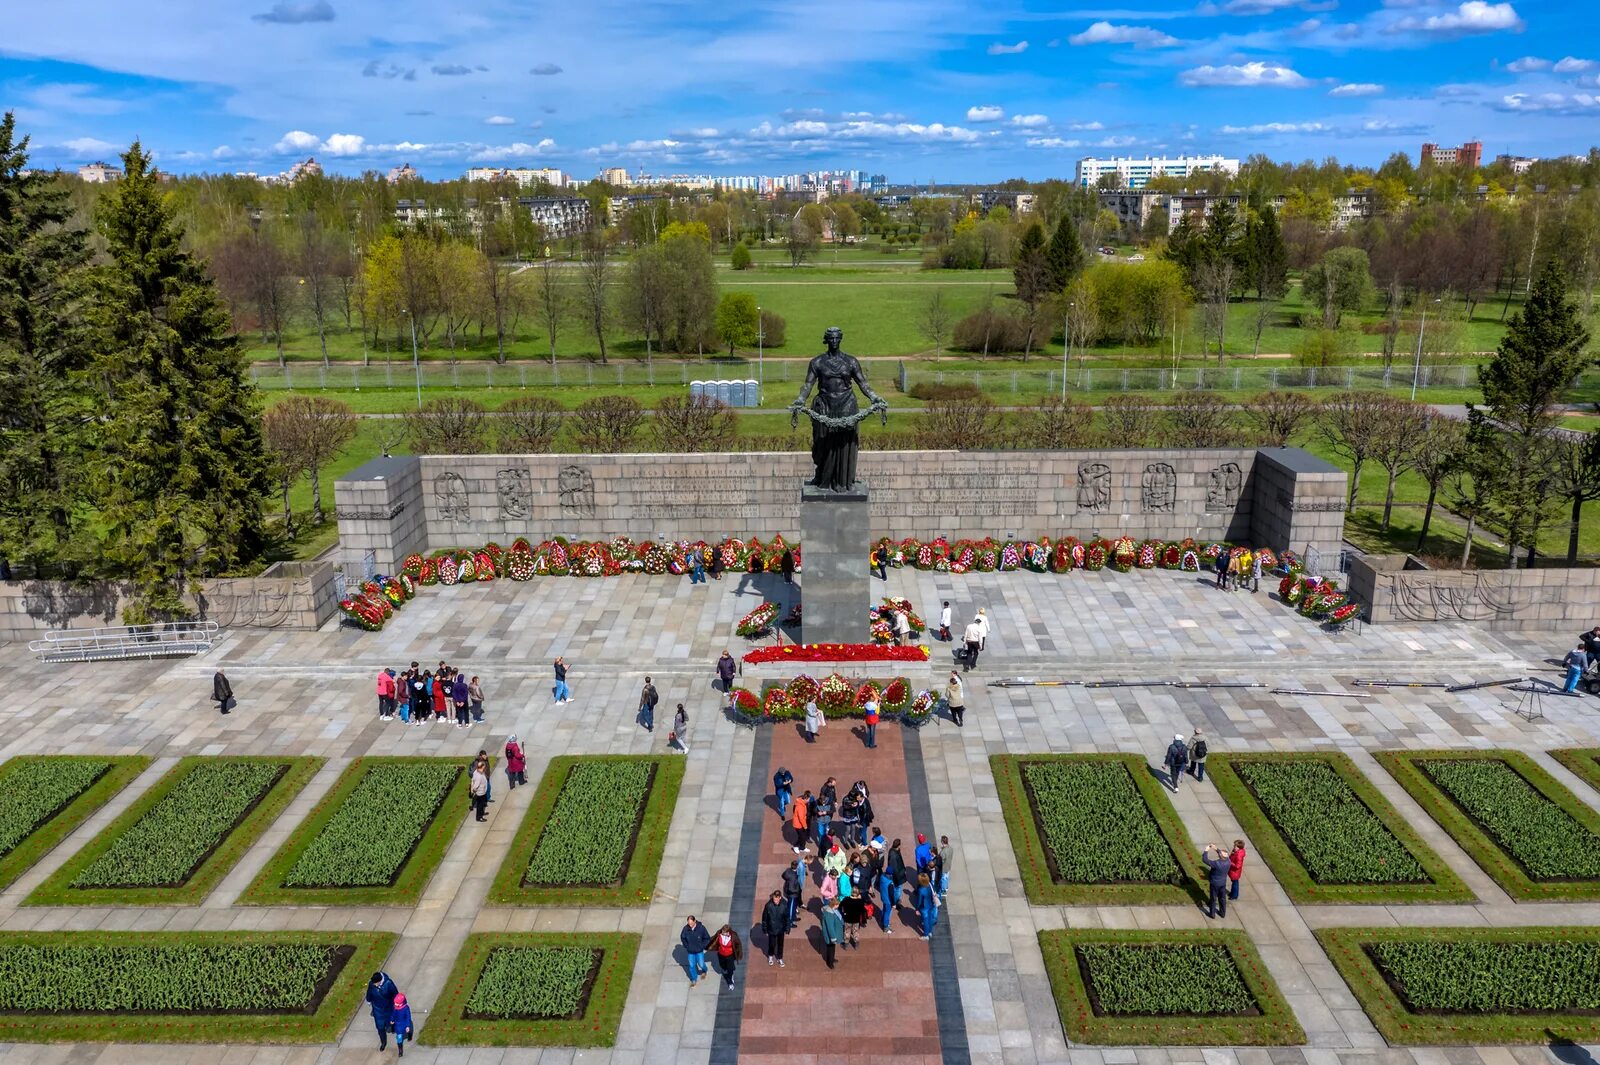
(184, 987)
(43, 798)
(594, 833)
(1527, 831)
(1126, 987)
(1473, 986)
(1583, 761)
(374, 840)
(181, 837)
(535, 989)
(1094, 829)
(1328, 834)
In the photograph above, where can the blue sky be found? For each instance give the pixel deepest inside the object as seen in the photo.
(915, 89)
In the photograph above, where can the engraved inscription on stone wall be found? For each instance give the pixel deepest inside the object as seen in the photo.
(451, 491)
(1226, 482)
(1159, 488)
(512, 489)
(1094, 487)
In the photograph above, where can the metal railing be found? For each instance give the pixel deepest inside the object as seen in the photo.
(126, 641)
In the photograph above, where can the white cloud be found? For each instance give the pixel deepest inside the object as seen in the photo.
(1030, 121)
(1250, 74)
(297, 140)
(1578, 103)
(1569, 65)
(1138, 36)
(89, 146)
(985, 113)
(1091, 126)
(1357, 88)
(344, 144)
(1008, 49)
(1527, 63)
(1473, 16)
(1267, 7)
(1052, 142)
(519, 150)
(500, 120)
(1277, 127)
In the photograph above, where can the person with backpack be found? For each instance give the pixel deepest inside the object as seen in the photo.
(783, 790)
(516, 763)
(775, 925)
(648, 698)
(1197, 756)
(729, 952)
(1177, 760)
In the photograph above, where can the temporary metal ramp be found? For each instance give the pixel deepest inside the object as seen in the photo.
(168, 640)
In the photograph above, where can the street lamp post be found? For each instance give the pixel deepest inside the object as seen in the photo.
(761, 337)
(416, 360)
(1416, 369)
(1066, 348)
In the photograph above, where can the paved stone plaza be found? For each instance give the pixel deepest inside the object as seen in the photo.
(312, 693)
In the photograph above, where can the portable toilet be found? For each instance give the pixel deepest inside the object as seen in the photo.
(752, 393)
(697, 389)
(736, 393)
(722, 392)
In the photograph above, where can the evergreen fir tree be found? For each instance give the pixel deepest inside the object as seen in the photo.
(43, 424)
(1064, 257)
(1030, 270)
(1184, 249)
(1266, 255)
(181, 470)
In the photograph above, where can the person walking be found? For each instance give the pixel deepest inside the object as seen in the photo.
(1197, 756)
(1221, 566)
(385, 694)
(1575, 661)
(648, 698)
(870, 715)
(794, 885)
(1235, 868)
(729, 952)
(516, 763)
(727, 666)
(783, 790)
(927, 903)
(222, 692)
(697, 568)
(401, 1023)
(560, 691)
(696, 940)
(475, 698)
(955, 699)
(1177, 760)
(680, 729)
(824, 817)
(814, 721)
(802, 822)
(775, 925)
(944, 622)
(786, 565)
(972, 638)
(947, 856)
(832, 932)
(381, 992)
(1216, 864)
(886, 898)
(981, 619)
(480, 790)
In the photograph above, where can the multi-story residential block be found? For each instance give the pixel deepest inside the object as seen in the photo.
(403, 172)
(1017, 203)
(1135, 173)
(1519, 164)
(559, 216)
(522, 175)
(615, 175)
(1469, 154)
(304, 168)
(99, 173)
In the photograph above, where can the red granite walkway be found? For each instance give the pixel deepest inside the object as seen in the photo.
(878, 1003)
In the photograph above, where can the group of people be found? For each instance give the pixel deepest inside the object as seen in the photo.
(1581, 659)
(1224, 868)
(1234, 571)
(417, 694)
(1185, 756)
(709, 564)
(391, 1013)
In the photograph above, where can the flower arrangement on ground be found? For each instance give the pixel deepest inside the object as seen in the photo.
(896, 696)
(802, 690)
(758, 622)
(921, 709)
(881, 623)
(837, 652)
(836, 695)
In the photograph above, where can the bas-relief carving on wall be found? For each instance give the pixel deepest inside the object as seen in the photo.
(1094, 487)
(1159, 488)
(452, 493)
(575, 488)
(512, 488)
(254, 608)
(1223, 491)
(1482, 597)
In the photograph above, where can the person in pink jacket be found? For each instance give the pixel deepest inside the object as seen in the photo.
(516, 763)
(385, 694)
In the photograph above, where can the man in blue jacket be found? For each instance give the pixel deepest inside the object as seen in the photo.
(380, 996)
(1216, 861)
(695, 940)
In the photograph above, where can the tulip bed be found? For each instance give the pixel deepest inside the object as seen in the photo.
(1133, 987)
(182, 836)
(1094, 829)
(1527, 831)
(1473, 985)
(535, 989)
(1328, 834)
(375, 839)
(183, 987)
(594, 833)
(44, 797)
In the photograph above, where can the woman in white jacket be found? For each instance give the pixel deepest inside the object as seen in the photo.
(814, 721)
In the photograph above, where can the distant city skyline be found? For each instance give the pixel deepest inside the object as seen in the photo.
(943, 90)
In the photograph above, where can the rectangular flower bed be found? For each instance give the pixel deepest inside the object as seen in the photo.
(1093, 829)
(44, 797)
(1328, 834)
(375, 840)
(181, 837)
(184, 987)
(594, 833)
(1528, 832)
(1134, 987)
(1473, 985)
(535, 989)
(1583, 761)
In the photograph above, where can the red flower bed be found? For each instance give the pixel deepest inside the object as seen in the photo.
(837, 652)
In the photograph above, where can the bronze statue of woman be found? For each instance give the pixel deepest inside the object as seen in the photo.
(834, 413)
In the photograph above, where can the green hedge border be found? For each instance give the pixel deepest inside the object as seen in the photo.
(639, 886)
(1401, 1026)
(57, 890)
(596, 1028)
(1029, 846)
(1483, 850)
(46, 837)
(1276, 1026)
(1293, 876)
(268, 888)
(324, 1026)
(1583, 762)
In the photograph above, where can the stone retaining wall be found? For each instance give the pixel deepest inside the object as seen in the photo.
(1496, 598)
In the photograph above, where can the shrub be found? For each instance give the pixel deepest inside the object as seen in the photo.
(930, 390)
(996, 332)
(774, 329)
(740, 257)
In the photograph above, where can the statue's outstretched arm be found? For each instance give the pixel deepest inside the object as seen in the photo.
(805, 393)
(879, 404)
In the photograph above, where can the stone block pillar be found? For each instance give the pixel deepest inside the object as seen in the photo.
(1299, 502)
(835, 587)
(379, 507)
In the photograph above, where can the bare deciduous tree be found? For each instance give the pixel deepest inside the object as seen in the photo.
(1351, 422)
(1057, 423)
(594, 280)
(315, 257)
(1128, 421)
(959, 422)
(529, 424)
(448, 426)
(552, 304)
(1214, 281)
(607, 424)
(1083, 315)
(1577, 478)
(1197, 418)
(1277, 416)
(283, 444)
(936, 321)
(320, 428)
(694, 423)
(1437, 451)
(1395, 443)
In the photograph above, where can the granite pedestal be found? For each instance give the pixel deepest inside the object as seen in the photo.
(835, 588)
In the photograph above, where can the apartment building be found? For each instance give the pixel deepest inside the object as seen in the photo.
(99, 173)
(1135, 173)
